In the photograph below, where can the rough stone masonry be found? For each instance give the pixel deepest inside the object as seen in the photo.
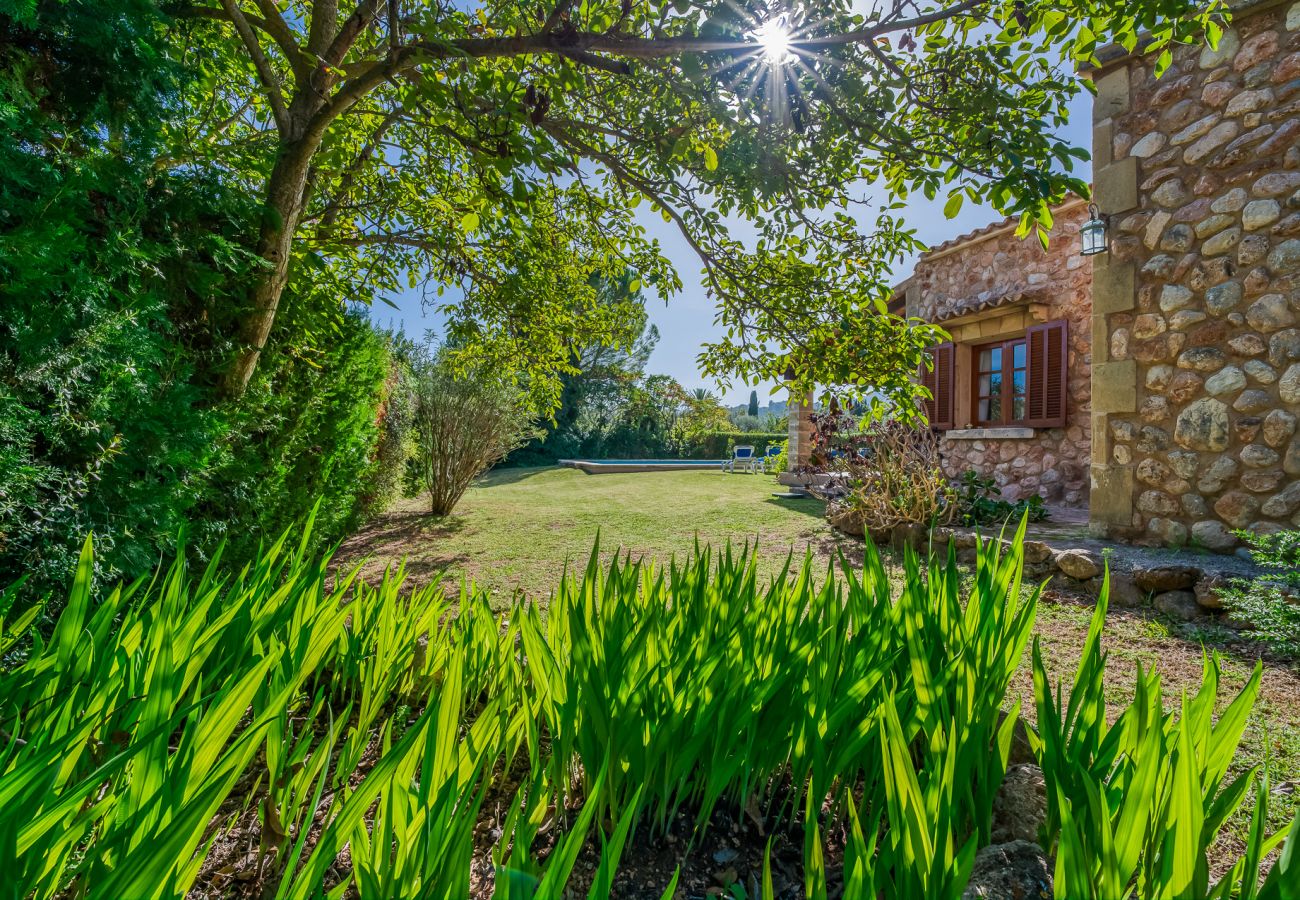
(1196, 309)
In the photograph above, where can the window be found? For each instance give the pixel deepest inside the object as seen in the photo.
(1020, 381)
(1000, 388)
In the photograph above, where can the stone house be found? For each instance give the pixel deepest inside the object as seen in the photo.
(1012, 386)
(1157, 384)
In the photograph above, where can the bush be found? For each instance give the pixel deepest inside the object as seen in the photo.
(979, 502)
(351, 733)
(304, 435)
(719, 444)
(1271, 603)
(462, 423)
(120, 282)
(897, 480)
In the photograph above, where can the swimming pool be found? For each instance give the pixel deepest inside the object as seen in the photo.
(600, 466)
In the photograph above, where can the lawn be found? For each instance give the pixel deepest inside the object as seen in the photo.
(518, 528)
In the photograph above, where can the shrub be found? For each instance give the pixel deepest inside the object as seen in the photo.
(897, 480)
(979, 502)
(719, 444)
(1271, 603)
(463, 421)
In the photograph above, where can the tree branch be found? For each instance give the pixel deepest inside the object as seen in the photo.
(261, 63)
(284, 38)
(324, 25)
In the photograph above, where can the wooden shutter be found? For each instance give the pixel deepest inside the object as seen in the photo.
(1048, 353)
(939, 380)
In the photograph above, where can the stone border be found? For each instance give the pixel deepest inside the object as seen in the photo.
(1184, 590)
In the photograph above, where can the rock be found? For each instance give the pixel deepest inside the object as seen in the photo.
(1237, 508)
(1260, 371)
(1195, 130)
(1148, 325)
(1284, 347)
(1227, 380)
(1257, 456)
(1221, 298)
(1217, 476)
(1186, 318)
(1174, 297)
(1252, 401)
(1156, 503)
(843, 518)
(1080, 564)
(963, 540)
(1260, 214)
(1162, 579)
(1177, 239)
(1169, 532)
(1248, 344)
(1203, 425)
(1252, 249)
(1289, 387)
(1202, 359)
(1208, 590)
(1246, 428)
(1283, 504)
(1022, 752)
(1231, 202)
(1255, 50)
(1020, 805)
(1123, 592)
(1037, 552)
(1213, 535)
(1150, 144)
(1248, 101)
(1270, 313)
(1261, 481)
(1279, 425)
(1213, 57)
(1194, 505)
(1291, 462)
(1179, 604)
(1015, 871)
(1171, 193)
(1219, 135)
(1222, 242)
(1275, 184)
(1285, 257)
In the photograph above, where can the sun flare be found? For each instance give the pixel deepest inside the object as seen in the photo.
(773, 37)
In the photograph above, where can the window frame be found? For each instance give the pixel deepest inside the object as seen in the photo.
(1007, 372)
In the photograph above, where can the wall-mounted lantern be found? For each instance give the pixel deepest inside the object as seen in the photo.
(1093, 232)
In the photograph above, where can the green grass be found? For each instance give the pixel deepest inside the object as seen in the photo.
(518, 528)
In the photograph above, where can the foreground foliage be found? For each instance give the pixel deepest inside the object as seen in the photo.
(1271, 603)
(155, 720)
(119, 283)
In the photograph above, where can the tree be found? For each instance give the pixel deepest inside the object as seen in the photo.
(482, 147)
(753, 404)
(463, 423)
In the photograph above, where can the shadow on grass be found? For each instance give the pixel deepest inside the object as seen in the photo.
(511, 475)
(808, 507)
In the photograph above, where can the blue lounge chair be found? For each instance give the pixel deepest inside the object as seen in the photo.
(773, 451)
(742, 455)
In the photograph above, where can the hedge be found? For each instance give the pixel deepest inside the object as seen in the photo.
(718, 444)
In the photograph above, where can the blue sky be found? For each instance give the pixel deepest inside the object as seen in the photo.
(685, 321)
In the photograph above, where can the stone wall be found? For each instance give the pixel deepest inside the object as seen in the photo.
(1196, 388)
(992, 285)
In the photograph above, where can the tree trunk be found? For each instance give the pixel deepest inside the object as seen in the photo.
(285, 199)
